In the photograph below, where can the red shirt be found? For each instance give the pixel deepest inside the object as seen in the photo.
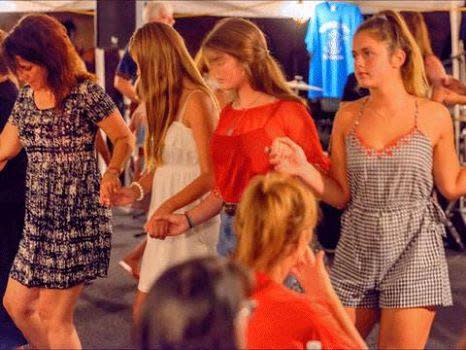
(284, 319)
(240, 155)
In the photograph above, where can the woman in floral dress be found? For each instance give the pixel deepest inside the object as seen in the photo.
(66, 238)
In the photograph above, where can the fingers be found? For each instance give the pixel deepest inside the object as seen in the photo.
(157, 228)
(320, 257)
(161, 226)
(109, 187)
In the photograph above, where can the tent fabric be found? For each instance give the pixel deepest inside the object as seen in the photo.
(293, 9)
(46, 6)
(242, 8)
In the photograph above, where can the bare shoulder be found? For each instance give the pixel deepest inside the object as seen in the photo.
(433, 114)
(198, 97)
(199, 105)
(347, 114)
(434, 120)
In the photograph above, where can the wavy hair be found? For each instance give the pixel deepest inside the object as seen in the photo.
(163, 61)
(243, 40)
(42, 40)
(389, 27)
(417, 26)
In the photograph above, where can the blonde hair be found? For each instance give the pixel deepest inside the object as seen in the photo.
(274, 211)
(163, 61)
(388, 26)
(418, 28)
(243, 40)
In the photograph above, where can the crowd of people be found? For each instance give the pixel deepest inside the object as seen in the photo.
(234, 170)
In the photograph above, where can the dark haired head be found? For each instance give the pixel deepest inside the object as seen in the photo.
(194, 305)
(42, 40)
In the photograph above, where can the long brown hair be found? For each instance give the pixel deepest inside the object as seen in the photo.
(389, 27)
(42, 40)
(243, 40)
(417, 26)
(285, 209)
(163, 61)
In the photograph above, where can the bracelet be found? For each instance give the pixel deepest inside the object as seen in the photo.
(141, 190)
(190, 221)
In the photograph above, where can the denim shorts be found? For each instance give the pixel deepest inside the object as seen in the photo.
(227, 238)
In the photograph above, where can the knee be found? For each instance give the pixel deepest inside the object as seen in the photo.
(54, 320)
(17, 311)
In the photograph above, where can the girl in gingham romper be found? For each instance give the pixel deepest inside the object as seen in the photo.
(402, 265)
(390, 261)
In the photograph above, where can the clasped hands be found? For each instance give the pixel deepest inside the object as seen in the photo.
(284, 154)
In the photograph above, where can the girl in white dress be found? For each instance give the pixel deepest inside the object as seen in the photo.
(181, 116)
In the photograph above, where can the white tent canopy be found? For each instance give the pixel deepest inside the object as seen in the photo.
(46, 6)
(244, 8)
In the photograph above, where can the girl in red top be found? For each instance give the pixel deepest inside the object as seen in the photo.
(238, 59)
(273, 242)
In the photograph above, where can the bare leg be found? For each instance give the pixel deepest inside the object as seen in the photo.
(56, 309)
(405, 328)
(139, 301)
(364, 319)
(21, 304)
(133, 258)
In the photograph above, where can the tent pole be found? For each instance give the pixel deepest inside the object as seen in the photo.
(454, 29)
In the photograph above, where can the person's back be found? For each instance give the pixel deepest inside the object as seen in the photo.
(274, 242)
(284, 319)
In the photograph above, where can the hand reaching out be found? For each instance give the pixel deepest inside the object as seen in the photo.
(287, 157)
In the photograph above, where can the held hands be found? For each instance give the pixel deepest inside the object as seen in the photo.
(109, 187)
(163, 223)
(287, 157)
(125, 196)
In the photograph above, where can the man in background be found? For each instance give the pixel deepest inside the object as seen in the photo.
(126, 73)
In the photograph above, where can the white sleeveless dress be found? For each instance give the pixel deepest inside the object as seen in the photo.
(180, 167)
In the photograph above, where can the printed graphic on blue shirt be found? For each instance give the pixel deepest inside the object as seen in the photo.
(329, 41)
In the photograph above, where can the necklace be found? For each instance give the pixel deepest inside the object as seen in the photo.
(244, 109)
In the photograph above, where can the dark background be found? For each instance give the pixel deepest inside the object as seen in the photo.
(286, 37)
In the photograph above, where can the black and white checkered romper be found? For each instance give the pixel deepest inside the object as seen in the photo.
(391, 254)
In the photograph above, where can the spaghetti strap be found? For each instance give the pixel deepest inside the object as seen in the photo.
(416, 113)
(183, 107)
(361, 111)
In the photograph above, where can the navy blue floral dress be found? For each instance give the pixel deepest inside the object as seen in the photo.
(67, 233)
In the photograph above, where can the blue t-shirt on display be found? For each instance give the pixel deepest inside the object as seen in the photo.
(329, 41)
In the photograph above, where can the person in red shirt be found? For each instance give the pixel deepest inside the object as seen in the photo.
(264, 108)
(274, 241)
